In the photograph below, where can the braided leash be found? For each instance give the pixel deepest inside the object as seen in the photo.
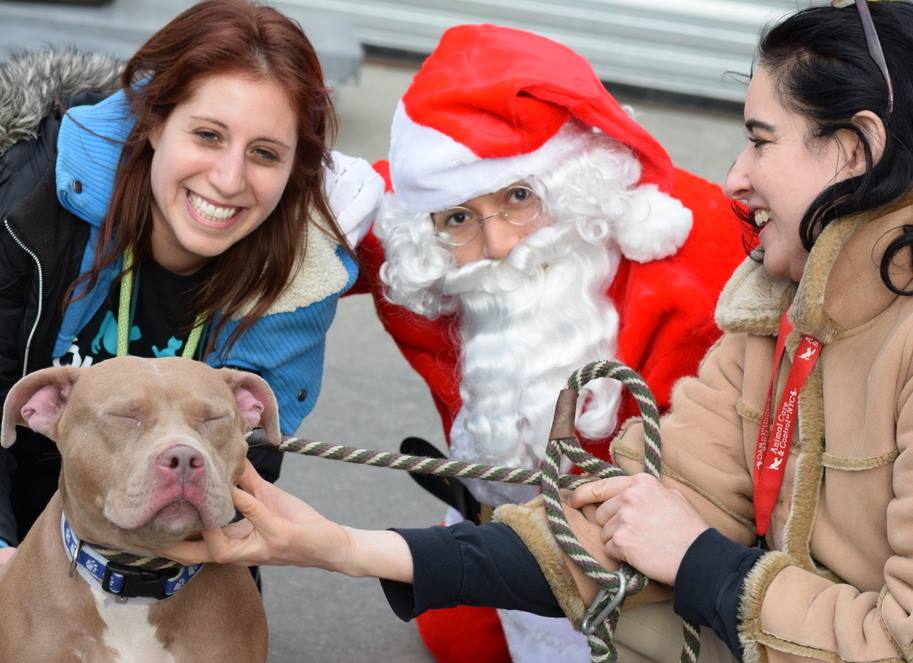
(602, 618)
(440, 467)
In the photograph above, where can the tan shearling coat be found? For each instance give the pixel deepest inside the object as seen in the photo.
(839, 584)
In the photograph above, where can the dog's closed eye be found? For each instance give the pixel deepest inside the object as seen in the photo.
(216, 417)
(124, 418)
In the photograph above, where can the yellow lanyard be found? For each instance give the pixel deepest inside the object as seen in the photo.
(123, 315)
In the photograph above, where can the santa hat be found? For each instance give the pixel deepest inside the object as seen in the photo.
(493, 105)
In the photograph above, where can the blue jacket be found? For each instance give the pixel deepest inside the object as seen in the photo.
(285, 346)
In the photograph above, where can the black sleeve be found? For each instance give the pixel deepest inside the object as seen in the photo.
(708, 586)
(466, 564)
(7, 519)
(22, 167)
(14, 277)
(267, 461)
(24, 164)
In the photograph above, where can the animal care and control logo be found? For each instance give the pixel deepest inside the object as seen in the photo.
(775, 433)
(809, 354)
(782, 430)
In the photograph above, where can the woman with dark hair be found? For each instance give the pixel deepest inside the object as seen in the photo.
(214, 239)
(784, 519)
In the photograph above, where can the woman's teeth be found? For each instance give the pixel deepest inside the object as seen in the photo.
(761, 217)
(210, 211)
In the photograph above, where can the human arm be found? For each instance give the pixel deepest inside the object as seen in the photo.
(468, 564)
(426, 568)
(429, 346)
(280, 529)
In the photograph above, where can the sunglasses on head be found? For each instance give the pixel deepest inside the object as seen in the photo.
(872, 41)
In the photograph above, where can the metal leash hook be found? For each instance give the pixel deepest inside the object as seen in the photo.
(591, 621)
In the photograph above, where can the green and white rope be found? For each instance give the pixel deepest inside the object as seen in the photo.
(551, 480)
(601, 640)
(441, 467)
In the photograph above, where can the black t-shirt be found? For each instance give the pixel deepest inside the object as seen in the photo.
(161, 316)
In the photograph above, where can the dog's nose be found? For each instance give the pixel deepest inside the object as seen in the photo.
(182, 461)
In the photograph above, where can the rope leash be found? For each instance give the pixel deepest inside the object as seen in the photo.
(626, 580)
(601, 619)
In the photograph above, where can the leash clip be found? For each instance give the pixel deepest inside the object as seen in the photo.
(73, 562)
(591, 620)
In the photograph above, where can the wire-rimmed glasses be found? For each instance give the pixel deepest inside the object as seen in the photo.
(518, 205)
(872, 41)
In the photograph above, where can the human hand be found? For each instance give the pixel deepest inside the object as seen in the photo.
(5, 554)
(643, 523)
(277, 529)
(354, 191)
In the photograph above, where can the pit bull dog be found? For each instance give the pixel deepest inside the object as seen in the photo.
(151, 449)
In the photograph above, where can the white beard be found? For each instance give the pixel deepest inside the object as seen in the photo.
(526, 323)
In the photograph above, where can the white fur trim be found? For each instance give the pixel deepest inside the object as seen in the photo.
(431, 171)
(656, 227)
(320, 275)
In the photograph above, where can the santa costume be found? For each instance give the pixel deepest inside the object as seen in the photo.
(628, 265)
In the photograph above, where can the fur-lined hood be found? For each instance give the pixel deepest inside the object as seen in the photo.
(32, 83)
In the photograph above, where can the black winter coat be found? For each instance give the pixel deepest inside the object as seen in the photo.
(36, 232)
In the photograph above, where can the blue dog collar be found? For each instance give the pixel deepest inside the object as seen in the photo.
(123, 580)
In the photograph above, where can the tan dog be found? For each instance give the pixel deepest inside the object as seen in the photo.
(151, 449)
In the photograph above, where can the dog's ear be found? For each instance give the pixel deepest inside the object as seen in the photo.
(255, 401)
(37, 401)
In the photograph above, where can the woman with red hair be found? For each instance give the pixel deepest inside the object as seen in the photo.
(185, 214)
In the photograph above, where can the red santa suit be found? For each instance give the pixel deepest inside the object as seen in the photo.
(666, 313)
(504, 97)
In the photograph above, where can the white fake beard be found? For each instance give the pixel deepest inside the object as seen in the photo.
(526, 323)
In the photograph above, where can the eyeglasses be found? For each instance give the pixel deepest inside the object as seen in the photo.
(458, 226)
(872, 41)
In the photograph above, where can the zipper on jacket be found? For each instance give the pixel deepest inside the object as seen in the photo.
(28, 342)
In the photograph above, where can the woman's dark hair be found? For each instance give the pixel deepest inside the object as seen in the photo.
(821, 66)
(213, 37)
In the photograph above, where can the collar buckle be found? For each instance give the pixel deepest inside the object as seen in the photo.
(127, 582)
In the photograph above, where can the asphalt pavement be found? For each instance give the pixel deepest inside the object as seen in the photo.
(372, 399)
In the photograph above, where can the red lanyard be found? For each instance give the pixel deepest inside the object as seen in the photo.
(774, 442)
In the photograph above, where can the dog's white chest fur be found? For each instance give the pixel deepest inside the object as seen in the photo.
(128, 630)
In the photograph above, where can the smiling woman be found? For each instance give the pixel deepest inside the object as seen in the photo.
(185, 214)
(764, 174)
(221, 162)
